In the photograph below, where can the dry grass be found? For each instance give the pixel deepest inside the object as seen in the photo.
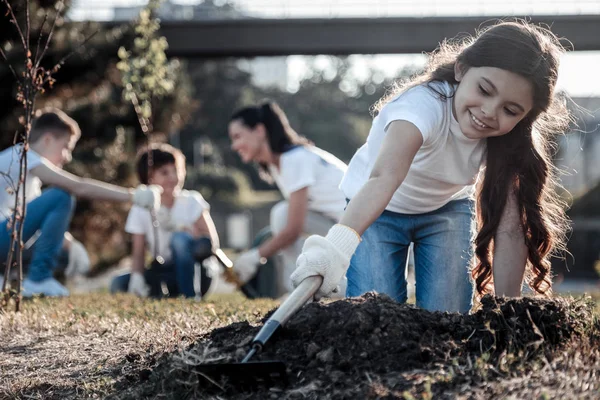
(88, 346)
(99, 346)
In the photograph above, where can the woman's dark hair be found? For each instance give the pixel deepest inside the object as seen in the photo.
(280, 134)
(519, 162)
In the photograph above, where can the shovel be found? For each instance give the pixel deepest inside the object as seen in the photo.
(204, 249)
(264, 372)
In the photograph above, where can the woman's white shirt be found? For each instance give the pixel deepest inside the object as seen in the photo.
(320, 171)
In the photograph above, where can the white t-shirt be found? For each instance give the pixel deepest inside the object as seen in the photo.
(446, 166)
(187, 208)
(9, 178)
(320, 171)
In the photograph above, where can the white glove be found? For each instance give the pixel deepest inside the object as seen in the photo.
(247, 264)
(327, 256)
(147, 196)
(137, 285)
(79, 261)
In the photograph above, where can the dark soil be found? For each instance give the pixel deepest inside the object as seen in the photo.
(373, 347)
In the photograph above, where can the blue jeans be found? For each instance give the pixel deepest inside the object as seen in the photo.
(443, 250)
(177, 274)
(50, 214)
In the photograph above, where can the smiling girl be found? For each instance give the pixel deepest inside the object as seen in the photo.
(470, 137)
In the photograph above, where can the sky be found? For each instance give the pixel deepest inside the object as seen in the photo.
(576, 67)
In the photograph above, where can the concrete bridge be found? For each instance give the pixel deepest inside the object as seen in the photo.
(341, 36)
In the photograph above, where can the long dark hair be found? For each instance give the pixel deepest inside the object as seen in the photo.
(520, 161)
(280, 133)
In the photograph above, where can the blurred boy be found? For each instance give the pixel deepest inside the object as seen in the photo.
(52, 137)
(183, 220)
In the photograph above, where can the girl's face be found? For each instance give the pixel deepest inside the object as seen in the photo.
(490, 101)
(166, 177)
(247, 142)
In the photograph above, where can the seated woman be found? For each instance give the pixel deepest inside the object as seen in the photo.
(307, 176)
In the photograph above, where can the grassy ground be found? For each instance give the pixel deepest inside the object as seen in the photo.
(99, 345)
(88, 346)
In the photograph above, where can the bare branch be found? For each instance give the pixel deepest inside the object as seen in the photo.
(65, 58)
(37, 45)
(27, 29)
(8, 63)
(14, 20)
(145, 123)
(34, 79)
(49, 39)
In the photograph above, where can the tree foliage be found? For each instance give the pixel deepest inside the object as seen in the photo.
(146, 74)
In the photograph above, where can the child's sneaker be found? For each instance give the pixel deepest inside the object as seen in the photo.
(49, 287)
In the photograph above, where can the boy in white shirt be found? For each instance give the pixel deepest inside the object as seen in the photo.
(183, 220)
(52, 137)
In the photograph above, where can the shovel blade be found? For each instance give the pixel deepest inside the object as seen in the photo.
(252, 373)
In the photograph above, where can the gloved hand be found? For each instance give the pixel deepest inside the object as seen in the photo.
(327, 256)
(137, 285)
(79, 261)
(147, 196)
(247, 264)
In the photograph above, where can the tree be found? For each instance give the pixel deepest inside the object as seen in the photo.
(31, 78)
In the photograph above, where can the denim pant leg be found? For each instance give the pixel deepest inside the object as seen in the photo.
(379, 262)
(154, 278)
(182, 247)
(443, 251)
(159, 275)
(120, 283)
(50, 214)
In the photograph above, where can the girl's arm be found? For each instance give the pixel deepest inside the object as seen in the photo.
(204, 226)
(330, 256)
(80, 187)
(138, 253)
(298, 206)
(510, 251)
(391, 167)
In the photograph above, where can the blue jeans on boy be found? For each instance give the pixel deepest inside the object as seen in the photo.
(443, 253)
(177, 273)
(51, 214)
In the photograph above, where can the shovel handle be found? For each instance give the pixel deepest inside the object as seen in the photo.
(223, 258)
(231, 276)
(304, 292)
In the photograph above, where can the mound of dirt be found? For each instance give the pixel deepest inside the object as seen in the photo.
(345, 349)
